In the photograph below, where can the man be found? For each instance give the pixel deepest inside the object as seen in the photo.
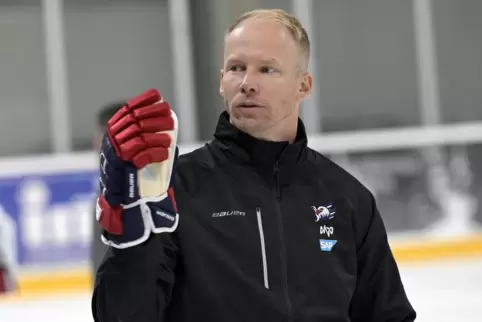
(7, 278)
(98, 248)
(254, 226)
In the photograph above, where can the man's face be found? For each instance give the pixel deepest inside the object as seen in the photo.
(261, 80)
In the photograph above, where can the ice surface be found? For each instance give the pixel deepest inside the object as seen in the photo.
(441, 291)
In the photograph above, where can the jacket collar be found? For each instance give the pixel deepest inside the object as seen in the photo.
(248, 149)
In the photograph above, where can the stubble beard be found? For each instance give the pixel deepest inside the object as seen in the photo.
(254, 129)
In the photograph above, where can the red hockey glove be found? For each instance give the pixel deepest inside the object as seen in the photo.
(137, 157)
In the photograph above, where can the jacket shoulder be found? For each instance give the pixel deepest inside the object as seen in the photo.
(340, 178)
(359, 198)
(192, 167)
(201, 157)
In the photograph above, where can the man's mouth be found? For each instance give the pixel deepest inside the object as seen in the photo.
(248, 105)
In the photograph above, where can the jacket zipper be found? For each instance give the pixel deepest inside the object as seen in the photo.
(263, 248)
(282, 240)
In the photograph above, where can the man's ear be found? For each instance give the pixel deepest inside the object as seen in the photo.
(221, 87)
(306, 84)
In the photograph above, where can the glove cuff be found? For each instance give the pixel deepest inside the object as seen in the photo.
(110, 218)
(131, 225)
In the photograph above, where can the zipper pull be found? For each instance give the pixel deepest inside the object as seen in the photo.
(276, 167)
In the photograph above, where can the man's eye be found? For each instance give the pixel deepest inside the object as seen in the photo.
(236, 68)
(267, 70)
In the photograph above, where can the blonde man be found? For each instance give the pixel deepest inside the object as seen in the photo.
(255, 226)
(7, 256)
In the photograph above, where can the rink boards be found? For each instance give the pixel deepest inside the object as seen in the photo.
(42, 198)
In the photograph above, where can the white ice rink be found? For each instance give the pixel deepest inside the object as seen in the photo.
(440, 292)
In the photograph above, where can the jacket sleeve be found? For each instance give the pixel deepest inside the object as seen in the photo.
(97, 248)
(135, 284)
(379, 295)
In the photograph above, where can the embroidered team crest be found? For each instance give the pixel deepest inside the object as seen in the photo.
(324, 212)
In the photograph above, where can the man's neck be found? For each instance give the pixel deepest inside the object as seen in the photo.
(284, 132)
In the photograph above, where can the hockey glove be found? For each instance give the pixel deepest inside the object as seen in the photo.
(137, 157)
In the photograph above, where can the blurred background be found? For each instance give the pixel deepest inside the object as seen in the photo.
(397, 101)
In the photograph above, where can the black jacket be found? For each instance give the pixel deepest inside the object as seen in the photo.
(97, 249)
(268, 232)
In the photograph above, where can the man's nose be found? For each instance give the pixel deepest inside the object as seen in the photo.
(249, 84)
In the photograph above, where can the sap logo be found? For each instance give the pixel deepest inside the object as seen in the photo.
(323, 212)
(165, 215)
(229, 213)
(327, 230)
(326, 245)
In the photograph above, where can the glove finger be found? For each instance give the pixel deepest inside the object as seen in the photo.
(151, 155)
(121, 118)
(119, 115)
(147, 98)
(128, 127)
(161, 112)
(161, 109)
(158, 124)
(157, 140)
(129, 133)
(138, 144)
(131, 147)
(121, 125)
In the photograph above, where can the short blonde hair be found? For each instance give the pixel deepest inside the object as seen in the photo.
(291, 23)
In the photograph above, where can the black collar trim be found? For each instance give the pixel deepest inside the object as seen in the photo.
(248, 149)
